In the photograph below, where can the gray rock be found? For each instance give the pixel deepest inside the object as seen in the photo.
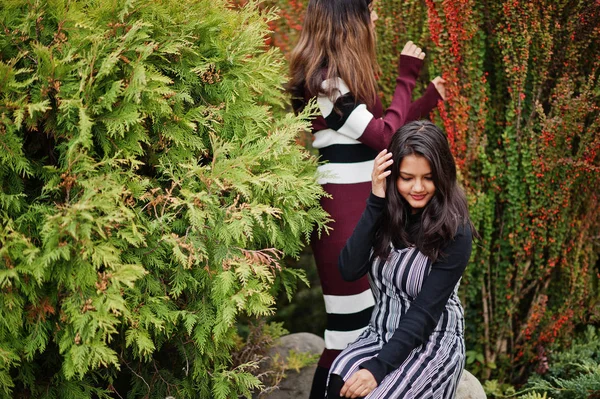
(297, 385)
(294, 386)
(469, 387)
(299, 342)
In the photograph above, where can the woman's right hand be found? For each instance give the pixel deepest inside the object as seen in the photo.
(410, 49)
(383, 161)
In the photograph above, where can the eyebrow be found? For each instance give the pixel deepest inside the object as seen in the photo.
(410, 174)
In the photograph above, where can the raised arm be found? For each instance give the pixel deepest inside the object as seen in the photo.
(379, 131)
(421, 108)
(354, 258)
(352, 119)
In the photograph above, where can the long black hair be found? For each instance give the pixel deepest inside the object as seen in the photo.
(446, 211)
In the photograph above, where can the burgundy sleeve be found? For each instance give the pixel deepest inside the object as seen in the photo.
(379, 131)
(423, 106)
(417, 324)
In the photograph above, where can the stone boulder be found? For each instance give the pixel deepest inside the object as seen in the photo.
(297, 385)
(469, 387)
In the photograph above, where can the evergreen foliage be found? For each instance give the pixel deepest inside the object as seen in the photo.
(151, 185)
(534, 395)
(574, 372)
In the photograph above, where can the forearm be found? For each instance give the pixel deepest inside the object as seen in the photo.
(413, 331)
(421, 108)
(379, 131)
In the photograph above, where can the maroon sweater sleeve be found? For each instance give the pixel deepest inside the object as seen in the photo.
(423, 106)
(379, 131)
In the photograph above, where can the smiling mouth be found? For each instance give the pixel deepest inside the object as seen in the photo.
(418, 197)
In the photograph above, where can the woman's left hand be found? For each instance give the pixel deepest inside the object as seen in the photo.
(359, 384)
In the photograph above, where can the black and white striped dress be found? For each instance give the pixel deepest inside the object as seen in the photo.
(414, 344)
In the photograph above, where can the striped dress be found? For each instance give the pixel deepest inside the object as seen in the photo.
(414, 344)
(348, 141)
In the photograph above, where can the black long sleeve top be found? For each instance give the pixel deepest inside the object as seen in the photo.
(417, 324)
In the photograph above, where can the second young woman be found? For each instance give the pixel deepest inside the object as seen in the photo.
(334, 62)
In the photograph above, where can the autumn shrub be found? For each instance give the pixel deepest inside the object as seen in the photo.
(151, 185)
(523, 121)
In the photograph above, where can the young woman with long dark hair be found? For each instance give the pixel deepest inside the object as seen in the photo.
(413, 241)
(334, 62)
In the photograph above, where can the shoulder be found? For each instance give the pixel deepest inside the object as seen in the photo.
(462, 238)
(457, 251)
(334, 92)
(464, 231)
(335, 84)
(462, 241)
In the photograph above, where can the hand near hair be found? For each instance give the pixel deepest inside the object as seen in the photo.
(440, 86)
(359, 384)
(383, 160)
(410, 49)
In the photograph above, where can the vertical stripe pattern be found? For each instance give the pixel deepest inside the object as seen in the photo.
(432, 370)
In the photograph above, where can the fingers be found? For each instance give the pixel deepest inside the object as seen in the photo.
(383, 161)
(412, 50)
(383, 156)
(352, 388)
(358, 385)
(407, 47)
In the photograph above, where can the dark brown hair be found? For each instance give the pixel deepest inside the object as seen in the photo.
(337, 41)
(446, 211)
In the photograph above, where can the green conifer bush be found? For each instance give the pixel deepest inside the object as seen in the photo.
(150, 186)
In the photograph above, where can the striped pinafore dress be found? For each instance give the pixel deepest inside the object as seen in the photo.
(431, 370)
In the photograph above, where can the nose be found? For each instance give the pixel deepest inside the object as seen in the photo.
(418, 187)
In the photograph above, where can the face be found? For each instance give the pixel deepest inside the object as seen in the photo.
(415, 183)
